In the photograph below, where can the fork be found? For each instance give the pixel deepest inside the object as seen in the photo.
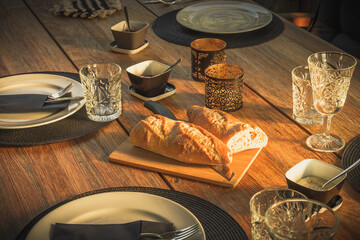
(169, 3)
(180, 234)
(61, 92)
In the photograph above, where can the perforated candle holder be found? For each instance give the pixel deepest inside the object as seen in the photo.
(204, 53)
(224, 87)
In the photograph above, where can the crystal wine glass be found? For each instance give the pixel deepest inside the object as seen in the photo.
(330, 74)
(301, 219)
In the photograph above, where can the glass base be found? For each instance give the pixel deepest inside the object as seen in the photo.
(308, 121)
(104, 118)
(325, 143)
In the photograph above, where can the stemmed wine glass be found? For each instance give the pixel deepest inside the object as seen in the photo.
(330, 74)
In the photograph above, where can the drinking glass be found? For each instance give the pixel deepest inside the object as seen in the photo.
(301, 219)
(330, 74)
(101, 83)
(303, 103)
(260, 202)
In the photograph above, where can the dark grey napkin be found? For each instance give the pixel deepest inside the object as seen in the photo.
(126, 231)
(23, 103)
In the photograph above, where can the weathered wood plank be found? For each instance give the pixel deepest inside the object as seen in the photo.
(27, 49)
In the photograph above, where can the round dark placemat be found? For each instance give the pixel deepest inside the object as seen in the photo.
(352, 154)
(218, 225)
(169, 29)
(76, 125)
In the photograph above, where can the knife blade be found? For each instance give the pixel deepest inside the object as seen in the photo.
(224, 171)
(63, 99)
(160, 109)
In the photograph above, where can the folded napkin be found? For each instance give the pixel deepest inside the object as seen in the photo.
(23, 103)
(86, 8)
(126, 231)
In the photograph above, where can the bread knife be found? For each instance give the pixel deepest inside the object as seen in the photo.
(160, 109)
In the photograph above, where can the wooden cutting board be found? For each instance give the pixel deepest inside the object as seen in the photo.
(131, 155)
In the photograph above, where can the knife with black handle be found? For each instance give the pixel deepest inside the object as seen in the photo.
(157, 108)
(160, 109)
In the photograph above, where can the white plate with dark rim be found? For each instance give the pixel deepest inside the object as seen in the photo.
(37, 83)
(224, 17)
(116, 208)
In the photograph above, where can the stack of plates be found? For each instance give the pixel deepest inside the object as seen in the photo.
(224, 17)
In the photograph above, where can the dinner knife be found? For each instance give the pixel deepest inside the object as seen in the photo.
(63, 99)
(160, 109)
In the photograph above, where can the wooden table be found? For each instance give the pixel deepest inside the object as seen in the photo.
(34, 178)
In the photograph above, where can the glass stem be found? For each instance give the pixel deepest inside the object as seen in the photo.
(327, 125)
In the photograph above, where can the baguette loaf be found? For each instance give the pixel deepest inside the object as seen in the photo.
(238, 136)
(179, 140)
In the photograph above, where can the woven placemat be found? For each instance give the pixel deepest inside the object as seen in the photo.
(169, 29)
(217, 223)
(76, 125)
(350, 155)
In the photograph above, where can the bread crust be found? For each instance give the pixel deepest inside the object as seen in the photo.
(238, 136)
(179, 140)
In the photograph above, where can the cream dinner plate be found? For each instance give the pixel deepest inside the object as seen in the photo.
(224, 17)
(37, 83)
(113, 208)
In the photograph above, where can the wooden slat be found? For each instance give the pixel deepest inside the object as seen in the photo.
(27, 49)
